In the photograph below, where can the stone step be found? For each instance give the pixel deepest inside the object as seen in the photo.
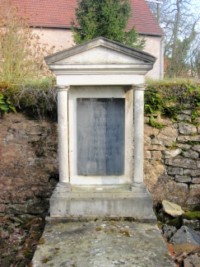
(125, 203)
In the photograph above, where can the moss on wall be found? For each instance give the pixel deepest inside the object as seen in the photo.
(169, 98)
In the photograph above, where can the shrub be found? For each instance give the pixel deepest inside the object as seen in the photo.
(170, 97)
(36, 99)
(21, 54)
(106, 18)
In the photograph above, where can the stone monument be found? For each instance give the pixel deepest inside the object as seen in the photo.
(100, 87)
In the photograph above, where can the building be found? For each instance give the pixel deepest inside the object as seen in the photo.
(51, 20)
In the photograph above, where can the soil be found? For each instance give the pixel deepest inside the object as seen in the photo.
(19, 236)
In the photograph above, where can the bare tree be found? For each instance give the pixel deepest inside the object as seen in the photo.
(179, 22)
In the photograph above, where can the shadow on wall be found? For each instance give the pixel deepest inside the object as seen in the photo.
(28, 164)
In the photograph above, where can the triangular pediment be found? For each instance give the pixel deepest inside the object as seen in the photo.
(100, 51)
(99, 55)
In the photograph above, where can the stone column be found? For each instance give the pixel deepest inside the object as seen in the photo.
(138, 137)
(63, 136)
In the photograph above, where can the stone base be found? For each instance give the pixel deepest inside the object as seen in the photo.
(106, 201)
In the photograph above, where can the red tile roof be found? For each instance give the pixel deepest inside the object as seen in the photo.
(60, 13)
(143, 20)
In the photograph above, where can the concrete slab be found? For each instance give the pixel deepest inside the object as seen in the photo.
(101, 244)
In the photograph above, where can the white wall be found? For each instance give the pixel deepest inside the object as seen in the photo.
(154, 46)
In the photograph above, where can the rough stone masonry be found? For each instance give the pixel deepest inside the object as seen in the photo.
(172, 163)
(28, 163)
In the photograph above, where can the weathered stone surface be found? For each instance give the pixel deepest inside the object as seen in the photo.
(186, 128)
(196, 180)
(89, 202)
(184, 248)
(184, 117)
(157, 155)
(168, 135)
(186, 235)
(102, 244)
(187, 138)
(28, 163)
(166, 188)
(169, 131)
(183, 146)
(155, 148)
(152, 172)
(198, 164)
(191, 154)
(194, 224)
(182, 179)
(3, 208)
(166, 121)
(181, 168)
(172, 153)
(175, 170)
(186, 111)
(191, 172)
(194, 196)
(167, 141)
(197, 120)
(192, 261)
(196, 148)
(150, 131)
(147, 140)
(168, 231)
(146, 119)
(172, 209)
(147, 154)
(181, 162)
(156, 141)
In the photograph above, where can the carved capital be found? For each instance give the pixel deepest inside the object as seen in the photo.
(62, 88)
(139, 87)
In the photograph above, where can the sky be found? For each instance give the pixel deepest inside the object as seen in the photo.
(195, 7)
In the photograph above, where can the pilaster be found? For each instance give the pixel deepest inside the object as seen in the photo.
(138, 180)
(63, 136)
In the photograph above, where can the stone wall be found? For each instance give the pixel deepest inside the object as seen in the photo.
(28, 164)
(29, 172)
(172, 161)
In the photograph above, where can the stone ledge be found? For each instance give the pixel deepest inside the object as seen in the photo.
(101, 243)
(137, 205)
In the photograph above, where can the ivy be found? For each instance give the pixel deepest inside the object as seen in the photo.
(155, 124)
(169, 98)
(5, 105)
(36, 99)
(153, 101)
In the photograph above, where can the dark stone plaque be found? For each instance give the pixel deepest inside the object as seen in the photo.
(100, 144)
